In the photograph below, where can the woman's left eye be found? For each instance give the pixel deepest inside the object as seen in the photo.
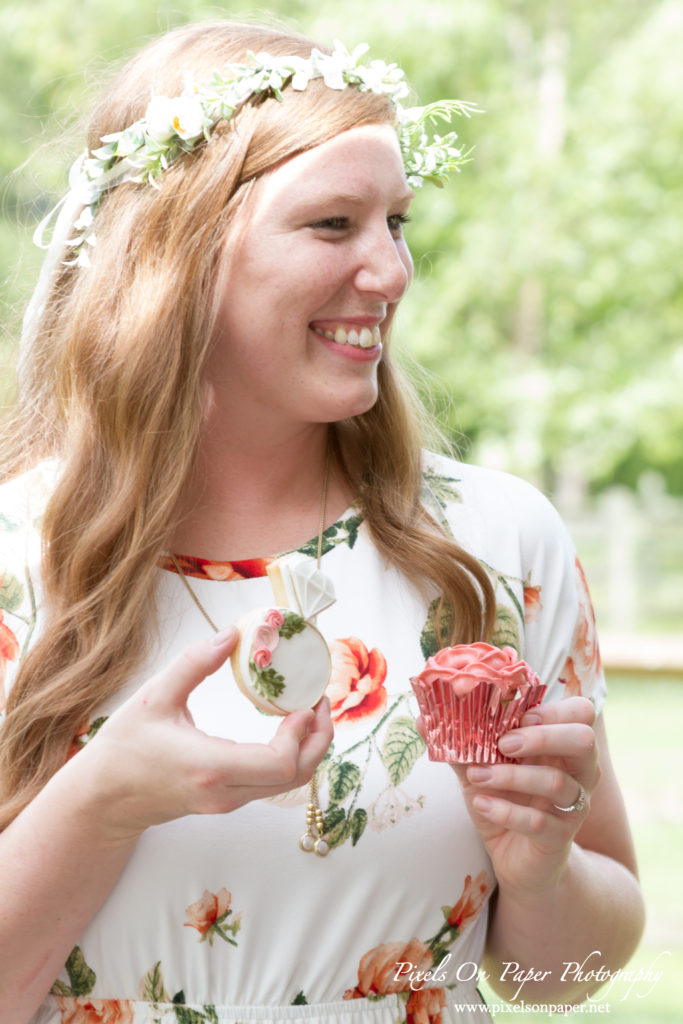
(397, 222)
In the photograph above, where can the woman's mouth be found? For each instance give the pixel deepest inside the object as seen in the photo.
(366, 337)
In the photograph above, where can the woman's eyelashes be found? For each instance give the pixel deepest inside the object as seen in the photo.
(395, 223)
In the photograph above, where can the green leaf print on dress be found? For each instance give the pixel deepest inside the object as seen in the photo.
(152, 988)
(506, 628)
(398, 749)
(81, 977)
(401, 748)
(343, 532)
(11, 592)
(429, 638)
(443, 489)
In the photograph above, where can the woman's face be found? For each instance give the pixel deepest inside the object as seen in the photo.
(314, 268)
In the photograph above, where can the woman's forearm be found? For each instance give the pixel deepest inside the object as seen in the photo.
(58, 865)
(538, 941)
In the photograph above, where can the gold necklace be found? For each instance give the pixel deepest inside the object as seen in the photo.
(313, 839)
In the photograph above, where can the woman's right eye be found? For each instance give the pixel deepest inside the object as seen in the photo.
(332, 224)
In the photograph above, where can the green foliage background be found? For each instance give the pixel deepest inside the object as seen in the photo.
(547, 307)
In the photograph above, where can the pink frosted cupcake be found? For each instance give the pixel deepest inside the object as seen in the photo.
(469, 696)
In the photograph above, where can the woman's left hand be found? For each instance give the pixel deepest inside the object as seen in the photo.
(516, 807)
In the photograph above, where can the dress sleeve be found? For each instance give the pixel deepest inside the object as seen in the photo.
(560, 635)
(543, 605)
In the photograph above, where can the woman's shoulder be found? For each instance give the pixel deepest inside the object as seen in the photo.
(492, 495)
(23, 497)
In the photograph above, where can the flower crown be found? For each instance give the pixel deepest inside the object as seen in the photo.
(171, 127)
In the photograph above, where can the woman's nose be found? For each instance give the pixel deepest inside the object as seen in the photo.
(386, 268)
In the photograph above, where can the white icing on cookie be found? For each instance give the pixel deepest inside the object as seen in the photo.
(283, 661)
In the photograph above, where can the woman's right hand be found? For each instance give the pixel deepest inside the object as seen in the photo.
(149, 763)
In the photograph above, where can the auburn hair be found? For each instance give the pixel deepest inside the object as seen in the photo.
(127, 434)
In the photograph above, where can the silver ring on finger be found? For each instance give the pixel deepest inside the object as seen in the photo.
(578, 804)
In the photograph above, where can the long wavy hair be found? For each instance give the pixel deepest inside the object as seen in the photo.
(113, 387)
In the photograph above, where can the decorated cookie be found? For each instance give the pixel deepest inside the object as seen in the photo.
(282, 662)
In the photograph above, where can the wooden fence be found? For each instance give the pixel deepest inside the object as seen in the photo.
(631, 547)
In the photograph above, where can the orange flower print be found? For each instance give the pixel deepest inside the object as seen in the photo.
(377, 969)
(9, 650)
(425, 1006)
(583, 664)
(356, 688)
(474, 894)
(532, 602)
(86, 1010)
(84, 735)
(209, 915)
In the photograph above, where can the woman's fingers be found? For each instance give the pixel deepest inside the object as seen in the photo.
(171, 687)
(563, 730)
(557, 787)
(230, 774)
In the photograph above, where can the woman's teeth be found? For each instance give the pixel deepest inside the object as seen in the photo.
(365, 338)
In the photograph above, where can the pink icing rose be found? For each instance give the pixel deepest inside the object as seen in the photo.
(467, 665)
(266, 636)
(274, 618)
(262, 657)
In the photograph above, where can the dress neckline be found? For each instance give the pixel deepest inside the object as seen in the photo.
(253, 568)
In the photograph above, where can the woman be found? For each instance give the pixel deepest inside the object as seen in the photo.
(207, 377)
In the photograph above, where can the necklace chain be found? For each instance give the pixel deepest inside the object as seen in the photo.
(313, 839)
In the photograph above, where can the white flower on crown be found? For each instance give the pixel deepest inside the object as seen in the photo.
(181, 116)
(173, 126)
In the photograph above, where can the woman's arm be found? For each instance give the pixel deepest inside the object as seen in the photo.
(148, 764)
(567, 881)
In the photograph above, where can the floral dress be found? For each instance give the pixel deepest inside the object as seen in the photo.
(224, 918)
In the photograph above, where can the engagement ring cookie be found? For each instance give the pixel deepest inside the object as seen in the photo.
(282, 661)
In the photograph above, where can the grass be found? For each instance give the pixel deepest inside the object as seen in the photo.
(644, 717)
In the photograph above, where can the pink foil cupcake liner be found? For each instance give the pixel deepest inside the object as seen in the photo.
(466, 730)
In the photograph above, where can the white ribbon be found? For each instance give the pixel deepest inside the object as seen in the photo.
(83, 192)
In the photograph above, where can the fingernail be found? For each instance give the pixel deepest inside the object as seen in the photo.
(482, 803)
(478, 774)
(225, 636)
(532, 718)
(510, 744)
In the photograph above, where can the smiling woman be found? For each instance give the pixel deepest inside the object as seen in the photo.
(212, 433)
(294, 347)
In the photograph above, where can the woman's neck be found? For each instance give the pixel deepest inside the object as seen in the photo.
(256, 496)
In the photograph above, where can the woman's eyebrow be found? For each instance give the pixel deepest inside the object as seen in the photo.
(349, 197)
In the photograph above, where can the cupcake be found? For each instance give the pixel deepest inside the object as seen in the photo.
(469, 695)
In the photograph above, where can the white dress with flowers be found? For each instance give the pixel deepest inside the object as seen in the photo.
(224, 918)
